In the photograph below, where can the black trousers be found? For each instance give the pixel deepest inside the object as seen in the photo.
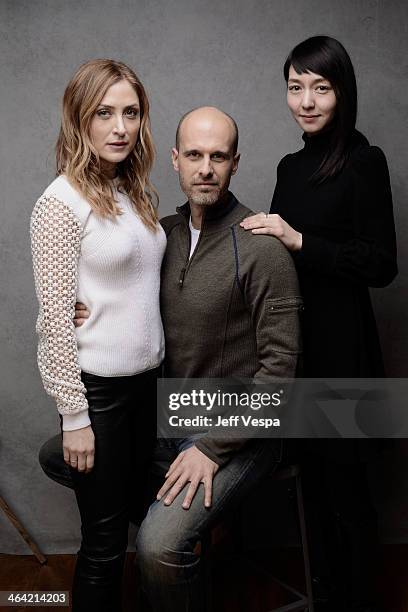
(123, 418)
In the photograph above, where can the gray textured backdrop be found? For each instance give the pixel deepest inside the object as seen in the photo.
(187, 52)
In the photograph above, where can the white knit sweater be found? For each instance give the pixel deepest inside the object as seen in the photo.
(112, 266)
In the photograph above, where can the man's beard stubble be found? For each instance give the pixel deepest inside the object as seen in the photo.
(200, 198)
(204, 199)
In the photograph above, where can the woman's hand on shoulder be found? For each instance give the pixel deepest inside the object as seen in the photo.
(79, 448)
(274, 225)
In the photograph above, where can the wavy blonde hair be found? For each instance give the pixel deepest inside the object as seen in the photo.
(78, 159)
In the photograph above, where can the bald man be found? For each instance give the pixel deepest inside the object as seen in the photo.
(229, 303)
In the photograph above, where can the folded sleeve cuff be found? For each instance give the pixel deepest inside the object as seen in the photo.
(70, 422)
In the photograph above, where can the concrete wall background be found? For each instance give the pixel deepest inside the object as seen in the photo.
(223, 52)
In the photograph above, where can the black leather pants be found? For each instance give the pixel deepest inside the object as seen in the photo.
(123, 418)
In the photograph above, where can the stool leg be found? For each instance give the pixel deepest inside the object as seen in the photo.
(305, 545)
(24, 534)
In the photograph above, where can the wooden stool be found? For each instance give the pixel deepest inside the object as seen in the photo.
(22, 531)
(303, 601)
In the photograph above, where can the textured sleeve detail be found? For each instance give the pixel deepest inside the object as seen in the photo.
(55, 242)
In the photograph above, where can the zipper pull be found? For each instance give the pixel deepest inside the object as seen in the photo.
(181, 279)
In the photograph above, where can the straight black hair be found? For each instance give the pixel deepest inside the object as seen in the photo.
(326, 56)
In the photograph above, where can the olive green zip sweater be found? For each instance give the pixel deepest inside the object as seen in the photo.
(232, 309)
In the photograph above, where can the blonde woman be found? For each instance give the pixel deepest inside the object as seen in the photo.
(96, 238)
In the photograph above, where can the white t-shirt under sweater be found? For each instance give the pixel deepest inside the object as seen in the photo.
(194, 234)
(112, 266)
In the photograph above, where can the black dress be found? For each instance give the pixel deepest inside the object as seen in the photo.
(348, 246)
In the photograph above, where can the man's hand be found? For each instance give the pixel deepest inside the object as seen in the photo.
(190, 466)
(81, 314)
(79, 448)
(274, 225)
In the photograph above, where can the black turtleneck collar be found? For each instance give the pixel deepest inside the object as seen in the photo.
(318, 142)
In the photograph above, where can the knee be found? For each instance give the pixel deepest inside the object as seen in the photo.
(150, 548)
(52, 462)
(166, 555)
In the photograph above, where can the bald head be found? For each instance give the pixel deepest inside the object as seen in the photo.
(205, 155)
(209, 119)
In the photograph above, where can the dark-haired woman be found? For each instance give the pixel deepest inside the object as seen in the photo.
(332, 207)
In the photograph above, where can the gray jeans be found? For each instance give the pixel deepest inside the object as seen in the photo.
(173, 575)
(173, 572)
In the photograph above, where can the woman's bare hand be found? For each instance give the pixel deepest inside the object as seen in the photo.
(79, 448)
(274, 225)
(81, 314)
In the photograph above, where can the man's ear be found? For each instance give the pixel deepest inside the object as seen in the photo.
(174, 158)
(236, 159)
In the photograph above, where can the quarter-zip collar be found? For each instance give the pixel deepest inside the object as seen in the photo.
(217, 217)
